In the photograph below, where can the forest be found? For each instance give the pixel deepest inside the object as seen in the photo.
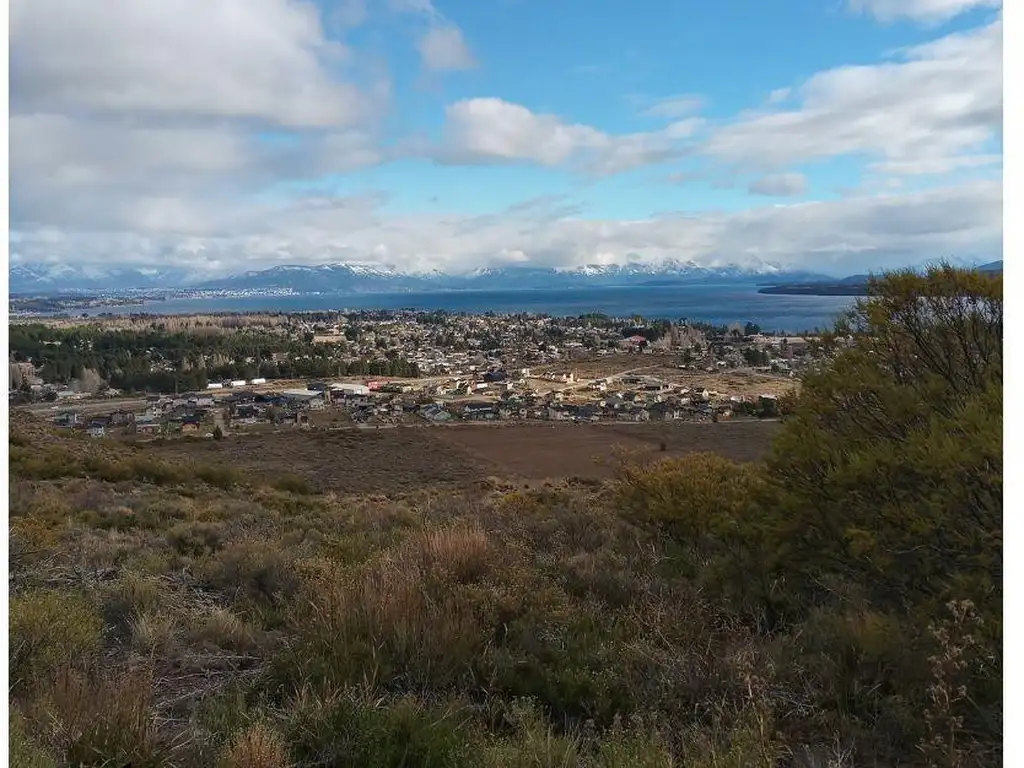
(169, 360)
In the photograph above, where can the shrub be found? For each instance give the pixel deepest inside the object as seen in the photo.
(221, 628)
(383, 624)
(532, 742)
(130, 596)
(219, 476)
(195, 538)
(636, 745)
(258, 746)
(23, 751)
(258, 575)
(345, 729)
(153, 633)
(49, 629)
(98, 718)
(709, 512)
(291, 483)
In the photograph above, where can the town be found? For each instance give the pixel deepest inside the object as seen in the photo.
(452, 369)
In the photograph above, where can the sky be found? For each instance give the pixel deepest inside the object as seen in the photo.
(229, 135)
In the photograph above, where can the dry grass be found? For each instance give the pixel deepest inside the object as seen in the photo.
(153, 633)
(93, 718)
(220, 628)
(256, 747)
(585, 623)
(355, 461)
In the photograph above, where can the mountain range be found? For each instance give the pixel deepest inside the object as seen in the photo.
(341, 278)
(855, 285)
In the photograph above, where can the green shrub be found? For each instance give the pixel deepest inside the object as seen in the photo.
(347, 730)
(23, 751)
(49, 629)
(291, 483)
(219, 476)
(258, 576)
(196, 538)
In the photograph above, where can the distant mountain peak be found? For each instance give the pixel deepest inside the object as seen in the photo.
(363, 277)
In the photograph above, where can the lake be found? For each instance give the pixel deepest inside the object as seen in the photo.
(715, 303)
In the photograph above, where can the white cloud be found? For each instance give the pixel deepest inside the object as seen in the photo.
(349, 13)
(264, 60)
(935, 166)
(944, 99)
(159, 132)
(443, 48)
(841, 236)
(779, 185)
(674, 107)
(478, 130)
(926, 11)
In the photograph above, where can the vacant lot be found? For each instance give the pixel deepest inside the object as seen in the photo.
(588, 450)
(344, 461)
(402, 459)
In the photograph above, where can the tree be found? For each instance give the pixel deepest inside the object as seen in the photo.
(869, 545)
(885, 501)
(894, 452)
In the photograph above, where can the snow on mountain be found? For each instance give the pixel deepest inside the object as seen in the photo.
(362, 277)
(66, 278)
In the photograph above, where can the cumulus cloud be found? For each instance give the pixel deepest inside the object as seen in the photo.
(156, 115)
(493, 130)
(159, 133)
(442, 46)
(264, 60)
(927, 11)
(444, 49)
(779, 185)
(942, 100)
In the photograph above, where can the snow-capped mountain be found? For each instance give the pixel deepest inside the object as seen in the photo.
(372, 278)
(64, 278)
(326, 278)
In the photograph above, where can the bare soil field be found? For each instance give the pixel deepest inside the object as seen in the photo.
(395, 460)
(589, 450)
(343, 461)
(731, 382)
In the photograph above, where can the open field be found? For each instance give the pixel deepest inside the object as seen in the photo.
(743, 382)
(343, 461)
(588, 450)
(401, 459)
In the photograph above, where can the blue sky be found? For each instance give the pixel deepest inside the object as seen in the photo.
(410, 133)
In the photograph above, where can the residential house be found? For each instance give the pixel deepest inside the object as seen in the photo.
(479, 409)
(98, 426)
(67, 419)
(121, 418)
(147, 425)
(191, 423)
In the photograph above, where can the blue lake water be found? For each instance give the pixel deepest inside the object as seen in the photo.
(705, 303)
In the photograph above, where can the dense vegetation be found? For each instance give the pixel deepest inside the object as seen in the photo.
(163, 359)
(839, 605)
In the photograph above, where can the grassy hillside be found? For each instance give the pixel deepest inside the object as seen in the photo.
(838, 604)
